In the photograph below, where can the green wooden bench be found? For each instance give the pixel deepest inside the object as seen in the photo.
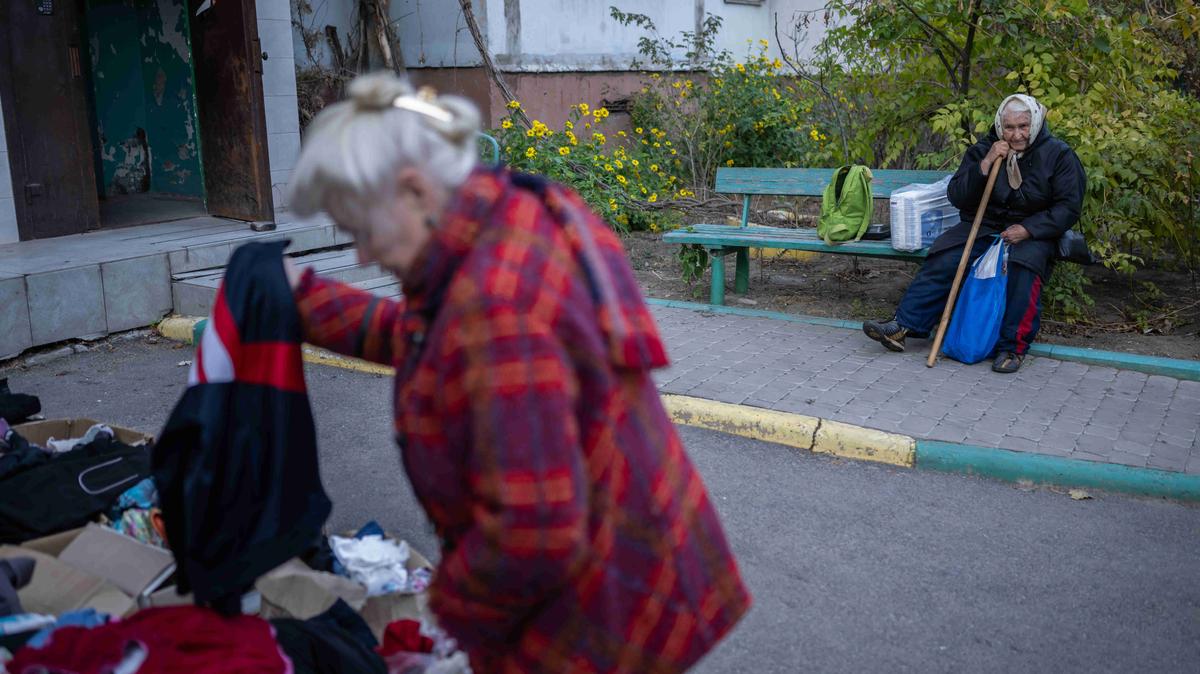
(721, 240)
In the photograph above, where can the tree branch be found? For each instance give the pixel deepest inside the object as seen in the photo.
(485, 53)
(811, 80)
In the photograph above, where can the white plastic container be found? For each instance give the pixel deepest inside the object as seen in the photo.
(920, 213)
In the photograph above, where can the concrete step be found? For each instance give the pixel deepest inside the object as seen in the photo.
(89, 285)
(194, 292)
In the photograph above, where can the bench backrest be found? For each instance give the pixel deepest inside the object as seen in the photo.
(808, 182)
(811, 182)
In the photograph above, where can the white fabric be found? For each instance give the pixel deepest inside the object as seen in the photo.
(378, 564)
(1037, 116)
(60, 446)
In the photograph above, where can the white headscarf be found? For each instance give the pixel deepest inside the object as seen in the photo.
(1037, 115)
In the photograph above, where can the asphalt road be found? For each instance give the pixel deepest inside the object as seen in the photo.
(853, 567)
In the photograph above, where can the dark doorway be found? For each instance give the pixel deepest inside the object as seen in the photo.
(145, 137)
(123, 112)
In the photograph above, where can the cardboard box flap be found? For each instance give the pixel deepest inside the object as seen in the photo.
(39, 432)
(57, 587)
(129, 564)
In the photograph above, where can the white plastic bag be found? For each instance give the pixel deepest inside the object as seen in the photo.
(920, 213)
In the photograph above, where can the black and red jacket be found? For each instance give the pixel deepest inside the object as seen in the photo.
(236, 464)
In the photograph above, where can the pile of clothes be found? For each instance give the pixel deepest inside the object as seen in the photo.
(63, 484)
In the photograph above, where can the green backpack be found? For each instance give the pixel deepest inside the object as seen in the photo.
(846, 206)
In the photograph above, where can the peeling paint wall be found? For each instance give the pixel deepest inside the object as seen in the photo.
(145, 100)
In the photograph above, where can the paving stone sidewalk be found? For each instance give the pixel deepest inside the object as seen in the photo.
(1051, 407)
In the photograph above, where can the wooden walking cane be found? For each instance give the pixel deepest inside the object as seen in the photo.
(997, 166)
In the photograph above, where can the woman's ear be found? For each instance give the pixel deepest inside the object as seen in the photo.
(418, 187)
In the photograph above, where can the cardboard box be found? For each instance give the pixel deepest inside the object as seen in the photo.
(39, 432)
(93, 567)
(295, 591)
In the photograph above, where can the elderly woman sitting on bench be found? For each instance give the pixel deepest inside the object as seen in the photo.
(1039, 201)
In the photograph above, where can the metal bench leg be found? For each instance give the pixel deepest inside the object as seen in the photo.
(718, 276)
(741, 278)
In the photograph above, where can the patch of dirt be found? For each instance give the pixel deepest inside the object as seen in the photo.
(845, 287)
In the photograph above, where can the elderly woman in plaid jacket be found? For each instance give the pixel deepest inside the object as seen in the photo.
(577, 535)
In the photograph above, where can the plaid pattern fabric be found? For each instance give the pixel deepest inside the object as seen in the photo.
(577, 534)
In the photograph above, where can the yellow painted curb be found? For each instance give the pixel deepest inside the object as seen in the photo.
(865, 444)
(793, 430)
(319, 356)
(178, 328)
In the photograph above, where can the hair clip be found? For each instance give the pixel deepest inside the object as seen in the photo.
(422, 103)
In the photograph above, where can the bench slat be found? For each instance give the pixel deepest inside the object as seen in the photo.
(724, 236)
(810, 182)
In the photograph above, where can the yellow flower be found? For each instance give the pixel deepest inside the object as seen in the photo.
(506, 124)
(654, 226)
(514, 105)
(621, 179)
(608, 167)
(729, 162)
(728, 144)
(764, 43)
(654, 167)
(564, 150)
(621, 134)
(673, 152)
(740, 68)
(603, 112)
(583, 108)
(599, 138)
(653, 197)
(678, 85)
(634, 162)
(618, 164)
(530, 133)
(612, 204)
(644, 190)
(814, 135)
(569, 125)
(531, 153)
(657, 144)
(777, 64)
(638, 130)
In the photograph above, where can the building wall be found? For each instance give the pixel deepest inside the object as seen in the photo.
(8, 207)
(544, 35)
(279, 96)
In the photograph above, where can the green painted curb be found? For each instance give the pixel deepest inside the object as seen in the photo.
(1169, 367)
(1010, 466)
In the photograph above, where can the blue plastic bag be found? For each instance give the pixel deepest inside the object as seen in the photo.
(975, 324)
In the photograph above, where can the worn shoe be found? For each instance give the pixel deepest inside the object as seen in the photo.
(888, 333)
(1007, 362)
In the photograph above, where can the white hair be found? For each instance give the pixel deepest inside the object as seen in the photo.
(353, 149)
(1016, 107)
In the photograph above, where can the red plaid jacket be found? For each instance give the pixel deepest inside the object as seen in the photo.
(577, 534)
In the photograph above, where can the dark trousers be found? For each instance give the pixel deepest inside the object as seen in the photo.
(923, 302)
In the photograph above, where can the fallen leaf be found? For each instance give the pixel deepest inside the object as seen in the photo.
(1079, 494)
(184, 363)
(1026, 485)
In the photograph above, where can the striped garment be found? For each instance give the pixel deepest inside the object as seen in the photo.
(577, 535)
